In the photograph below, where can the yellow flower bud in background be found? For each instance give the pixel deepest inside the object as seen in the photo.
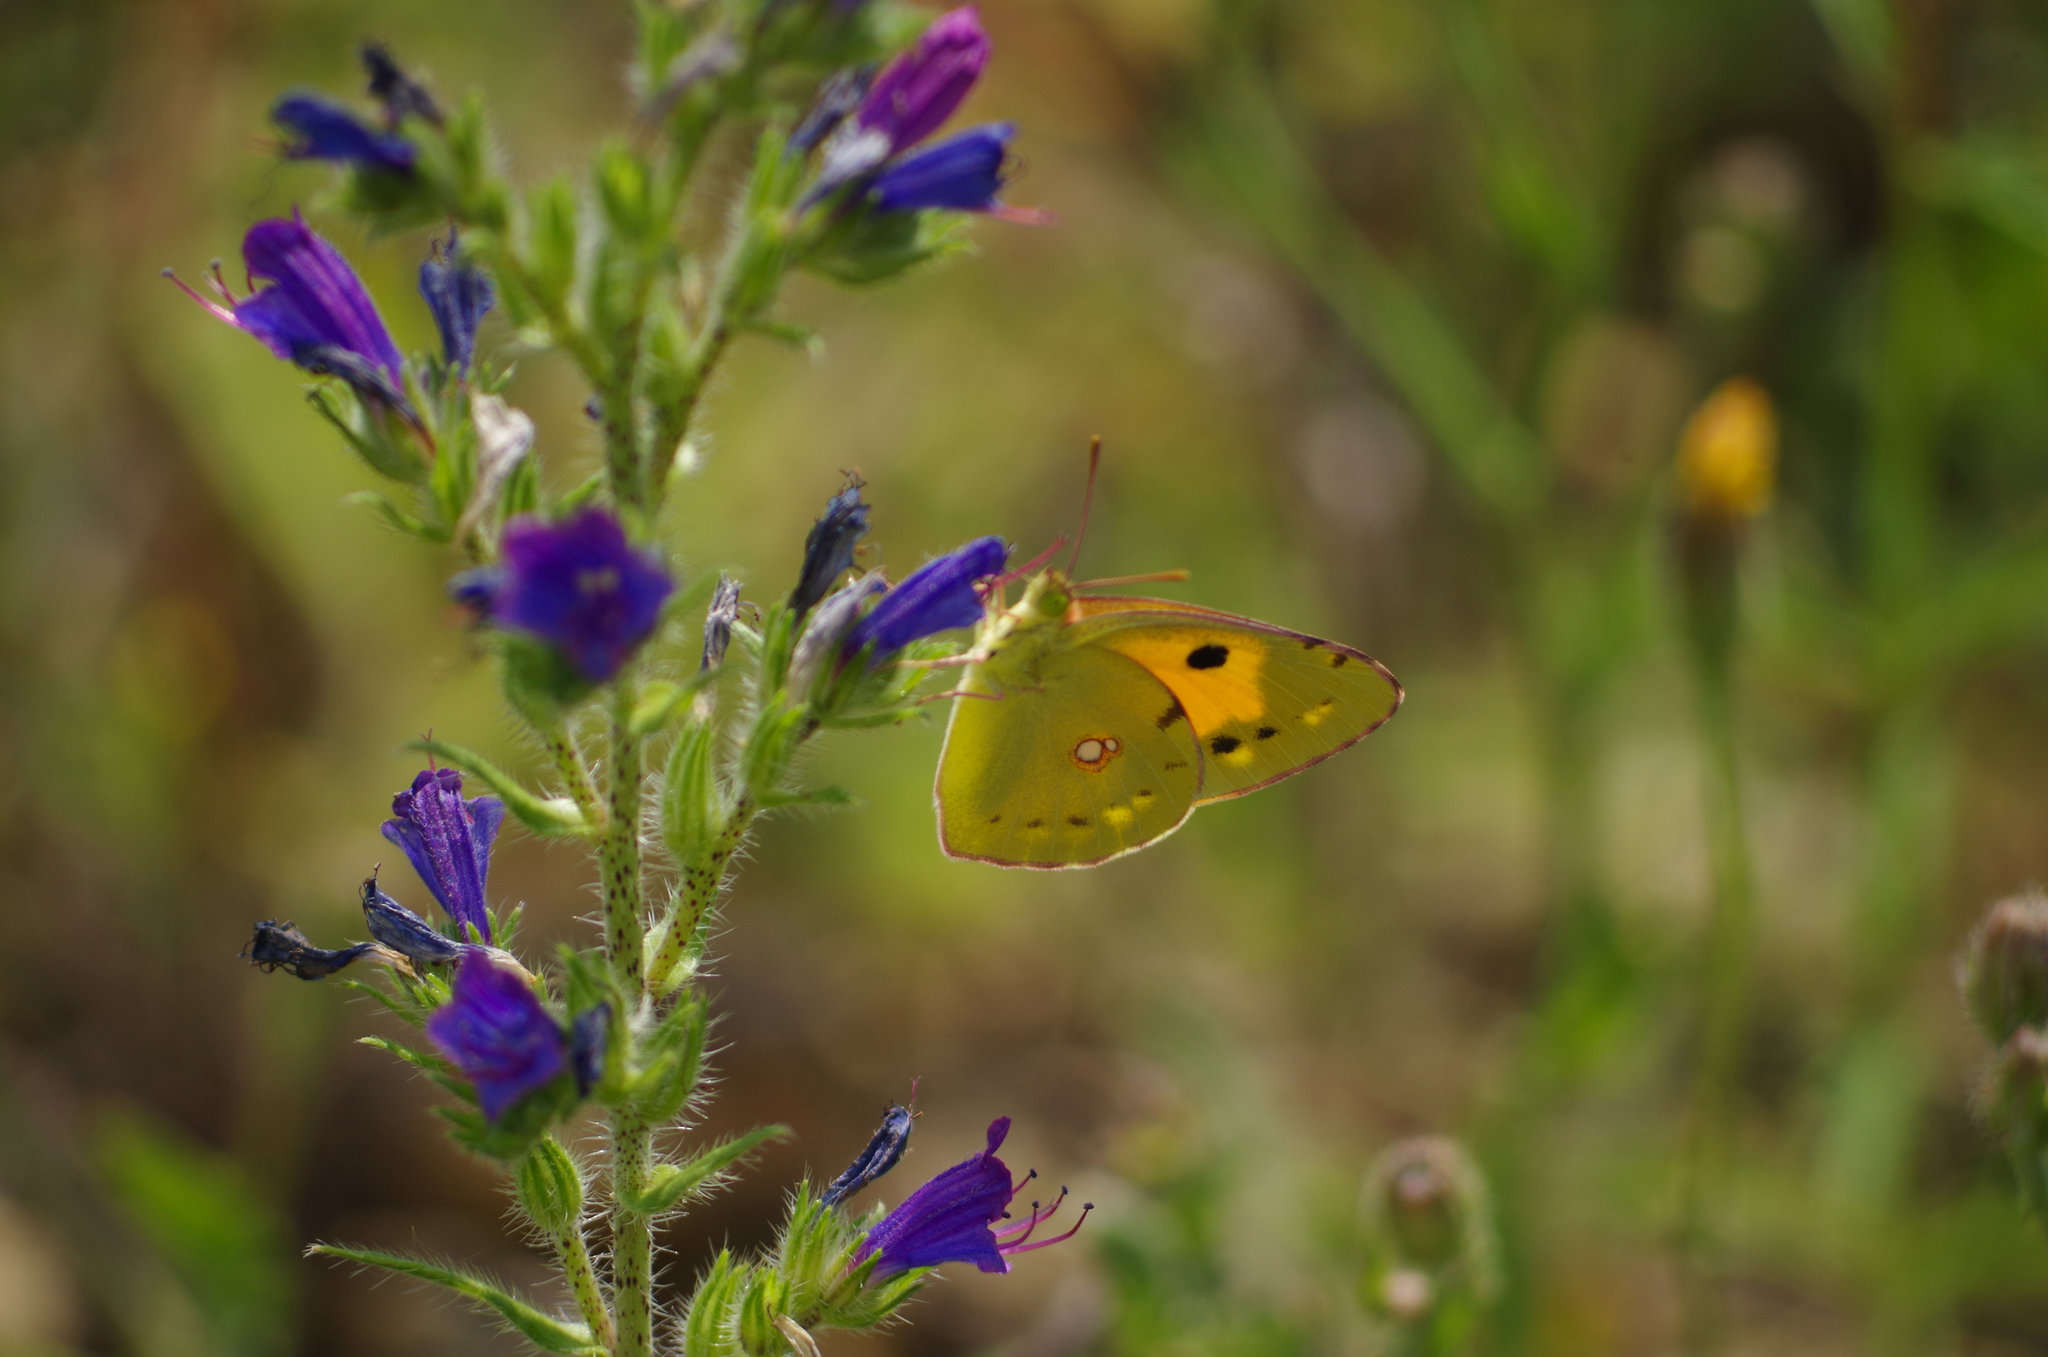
(1728, 453)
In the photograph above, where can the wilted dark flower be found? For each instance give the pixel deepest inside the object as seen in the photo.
(315, 312)
(582, 587)
(883, 1151)
(390, 86)
(321, 129)
(837, 97)
(718, 620)
(448, 839)
(937, 596)
(824, 635)
(828, 549)
(281, 946)
(950, 1219)
(589, 1034)
(458, 292)
(405, 932)
(495, 1030)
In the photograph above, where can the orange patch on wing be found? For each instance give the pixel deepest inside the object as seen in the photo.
(1213, 694)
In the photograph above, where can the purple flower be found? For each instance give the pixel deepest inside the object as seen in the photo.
(828, 549)
(937, 596)
(322, 129)
(448, 839)
(918, 91)
(909, 101)
(963, 173)
(951, 1218)
(315, 312)
(580, 586)
(458, 292)
(495, 1030)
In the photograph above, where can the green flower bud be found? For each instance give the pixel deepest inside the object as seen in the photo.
(1429, 1225)
(549, 1187)
(2004, 968)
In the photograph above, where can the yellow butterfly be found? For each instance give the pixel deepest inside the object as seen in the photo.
(1088, 726)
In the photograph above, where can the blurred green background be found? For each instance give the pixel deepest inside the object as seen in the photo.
(1390, 313)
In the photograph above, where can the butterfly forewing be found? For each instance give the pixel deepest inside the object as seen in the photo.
(1067, 767)
(1263, 702)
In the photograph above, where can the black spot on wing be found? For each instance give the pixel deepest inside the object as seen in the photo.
(1267, 732)
(995, 819)
(1078, 821)
(1173, 764)
(1208, 657)
(1033, 824)
(1223, 744)
(1166, 718)
(1337, 659)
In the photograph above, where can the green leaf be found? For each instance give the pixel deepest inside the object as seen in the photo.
(542, 1330)
(542, 815)
(816, 796)
(670, 1183)
(661, 700)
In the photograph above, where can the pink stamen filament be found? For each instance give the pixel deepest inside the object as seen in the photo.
(1021, 1231)
(1030, 567)
(213, 306)
(1020, 1247)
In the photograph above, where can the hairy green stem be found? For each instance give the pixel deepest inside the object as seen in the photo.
(703, 882)
(618, 851)
(574, 1255)
(575, 774)
(632, 1238)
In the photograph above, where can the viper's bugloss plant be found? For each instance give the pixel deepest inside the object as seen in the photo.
(654, 766)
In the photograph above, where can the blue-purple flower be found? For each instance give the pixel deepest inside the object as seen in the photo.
(497, 1033)
(909, 101)
(828, 549)
(315, 311)
(578, 585)
(939, 595)
(951, 1219)
(321, 129)
(458, 292)
(447, 837)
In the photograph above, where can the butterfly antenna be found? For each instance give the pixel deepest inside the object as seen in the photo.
(1150, 577)
(1030, 567)
(1087, 501)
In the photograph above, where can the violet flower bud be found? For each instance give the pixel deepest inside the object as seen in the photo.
(458, 292)
(321, 129)
(919, 90)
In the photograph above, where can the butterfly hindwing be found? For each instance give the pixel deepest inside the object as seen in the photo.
(1264, 702)
(1071, 766)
